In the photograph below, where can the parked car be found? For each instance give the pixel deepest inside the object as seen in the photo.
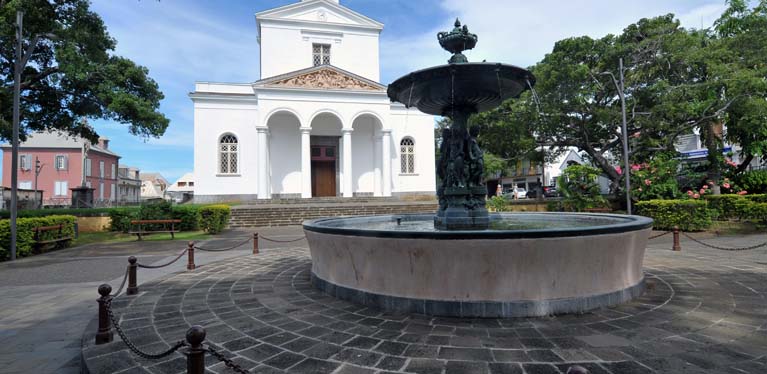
(532, 194)
(550, 191)
(521, 193)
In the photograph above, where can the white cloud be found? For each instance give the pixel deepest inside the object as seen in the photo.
(521, 32)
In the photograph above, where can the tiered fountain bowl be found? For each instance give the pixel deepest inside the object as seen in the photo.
(464, 261)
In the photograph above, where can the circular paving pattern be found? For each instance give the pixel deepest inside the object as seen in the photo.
(704, 312)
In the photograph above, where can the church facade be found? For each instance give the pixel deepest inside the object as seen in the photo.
(318, 123)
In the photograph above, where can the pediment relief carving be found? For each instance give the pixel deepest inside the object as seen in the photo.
(326, 79)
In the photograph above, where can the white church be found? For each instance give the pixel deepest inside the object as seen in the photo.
(318, 123)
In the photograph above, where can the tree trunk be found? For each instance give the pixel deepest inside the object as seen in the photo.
(714, 173)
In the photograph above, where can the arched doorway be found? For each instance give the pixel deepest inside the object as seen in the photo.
(325, 155)
(284, 155)
(367, 156)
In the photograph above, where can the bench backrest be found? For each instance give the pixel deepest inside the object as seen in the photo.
(151, 221)
(50, 228)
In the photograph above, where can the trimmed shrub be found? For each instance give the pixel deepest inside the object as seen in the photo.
(214, 218)
(688, 215)
(757, 198)
(497, 203)
(189, 216)
(25, 235)
(758, 212)
(725, 206)
(120, 219)
(158, 210)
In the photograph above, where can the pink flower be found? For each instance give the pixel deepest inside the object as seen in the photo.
(705, 187)
(726, 185)
(712, 182)
(696, 196)
(619, 170)
(636, 167)
(647, 182)
(702, 191)
(742, 192)
(689, 193)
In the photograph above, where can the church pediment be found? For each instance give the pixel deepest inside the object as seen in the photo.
(321, 11)
(322, 78)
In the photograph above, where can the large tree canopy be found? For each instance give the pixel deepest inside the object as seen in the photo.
(677, 80)
(74, 77)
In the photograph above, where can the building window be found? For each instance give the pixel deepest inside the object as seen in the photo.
(182, 184)
(407, 156)
(88, 167)
(228, 154)
(114, 171)
(101, 169)
(25, 162)
(101, 190)
(60, 188)
(191, 184)
(321, 54)
(62, 162)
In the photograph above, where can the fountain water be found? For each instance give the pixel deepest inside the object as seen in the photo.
(464, 261)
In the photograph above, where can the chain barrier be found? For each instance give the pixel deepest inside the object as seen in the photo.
(163, 265)
(131, 346)
(125, 278)
(223, 249)
(659, 235)
(281, 241)
(229, 363)
(723, 248)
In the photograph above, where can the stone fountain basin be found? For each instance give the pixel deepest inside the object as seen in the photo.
(587, 261)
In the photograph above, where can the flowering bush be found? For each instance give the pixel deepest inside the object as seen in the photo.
(655, 180)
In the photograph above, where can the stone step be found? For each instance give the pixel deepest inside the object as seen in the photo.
(255, 216)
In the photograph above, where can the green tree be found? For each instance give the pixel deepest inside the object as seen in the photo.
(75, 77)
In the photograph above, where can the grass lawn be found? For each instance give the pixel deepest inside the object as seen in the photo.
(119, 237)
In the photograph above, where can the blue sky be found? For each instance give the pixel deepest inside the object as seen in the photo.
(183, 41)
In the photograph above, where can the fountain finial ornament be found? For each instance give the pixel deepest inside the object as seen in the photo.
(457, 41)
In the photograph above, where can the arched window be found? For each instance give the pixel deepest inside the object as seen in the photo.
(228, 154)
(407, 156)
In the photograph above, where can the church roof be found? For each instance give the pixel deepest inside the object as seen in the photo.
(318, 11)
(322, 77)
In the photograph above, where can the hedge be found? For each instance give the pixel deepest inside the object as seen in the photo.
(77, 212)
(725, 206)
(214, 218)
(688, 215)
(188, 214)
(25, 235)
(757, 198)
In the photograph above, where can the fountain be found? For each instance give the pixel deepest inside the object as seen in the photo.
(463, 261)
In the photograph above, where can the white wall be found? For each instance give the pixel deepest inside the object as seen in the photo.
(212, 118)
(363, 157)
(420, 127)
(285, 151)
(287, 48)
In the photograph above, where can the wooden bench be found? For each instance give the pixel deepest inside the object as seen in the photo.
(598, 210)
(59, 238)
(166, 225)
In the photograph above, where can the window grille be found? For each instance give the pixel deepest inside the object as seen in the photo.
(61, 162)
(321, 54)
(228, 155)
(407, 156)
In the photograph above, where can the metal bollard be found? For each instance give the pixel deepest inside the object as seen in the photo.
(255, 243)
(195, 357)
(676, 247)
(190, 254)
(132, 282)
(104, 335)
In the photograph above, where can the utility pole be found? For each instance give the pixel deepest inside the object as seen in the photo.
(18, 66)
(619, 85)
(15, 139)
(624, 132)
(38, 168)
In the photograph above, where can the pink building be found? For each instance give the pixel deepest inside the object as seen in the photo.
(61, 167)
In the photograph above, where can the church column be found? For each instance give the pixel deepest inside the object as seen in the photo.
(377, 161)
(386, 164)
(306, 163)
(263, 164)
(347, 163)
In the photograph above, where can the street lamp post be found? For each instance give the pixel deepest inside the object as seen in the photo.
(619, 85)
(21, 61)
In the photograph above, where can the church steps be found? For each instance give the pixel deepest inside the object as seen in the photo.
(294, 214)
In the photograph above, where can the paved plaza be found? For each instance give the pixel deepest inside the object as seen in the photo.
(704, 312)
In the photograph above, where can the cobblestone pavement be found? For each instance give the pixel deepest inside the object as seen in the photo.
(704, 312)
(46, 300)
